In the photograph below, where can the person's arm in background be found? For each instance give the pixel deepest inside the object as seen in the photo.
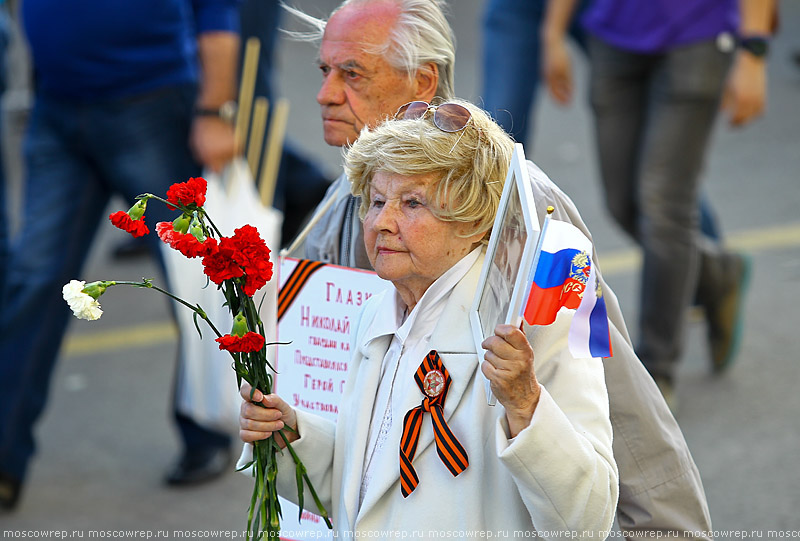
(745, 94)
(556, 60)
(212, 138)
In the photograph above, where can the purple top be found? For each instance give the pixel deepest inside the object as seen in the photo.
(652, 26)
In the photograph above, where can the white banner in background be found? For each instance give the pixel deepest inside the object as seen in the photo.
(318, 307)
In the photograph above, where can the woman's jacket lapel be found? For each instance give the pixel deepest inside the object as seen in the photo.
(452, 338)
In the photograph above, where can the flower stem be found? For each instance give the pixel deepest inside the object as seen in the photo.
(321, 508)
(147, 284)
(264, 513)
(183, 209)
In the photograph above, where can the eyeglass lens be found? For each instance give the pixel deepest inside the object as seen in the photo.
(448, 117)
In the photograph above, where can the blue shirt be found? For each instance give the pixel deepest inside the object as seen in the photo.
(653, 26)
(105, 49)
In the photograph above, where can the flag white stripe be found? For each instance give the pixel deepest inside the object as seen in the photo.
(579, 330)
(561, 235)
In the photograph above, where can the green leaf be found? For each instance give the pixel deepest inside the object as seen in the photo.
(245, 466)
(197, 325)
(299, 479)
(261, 303)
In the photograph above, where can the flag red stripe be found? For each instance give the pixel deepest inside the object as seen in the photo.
(544, 304)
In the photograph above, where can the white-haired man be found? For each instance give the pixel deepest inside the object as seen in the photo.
(376, 55)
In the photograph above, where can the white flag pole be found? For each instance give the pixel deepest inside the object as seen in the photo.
(536, 254)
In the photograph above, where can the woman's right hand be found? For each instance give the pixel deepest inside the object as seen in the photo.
(261, 415)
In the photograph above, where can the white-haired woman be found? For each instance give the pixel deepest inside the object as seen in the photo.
(416, 448)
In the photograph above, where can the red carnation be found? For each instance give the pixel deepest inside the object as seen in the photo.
(191, 192)
(221, 265)
(248, 343)
(185, 243)
(189, 246)
(165, 232)
(121, 219)
(245, 254)
(252, 254)
(258, 274)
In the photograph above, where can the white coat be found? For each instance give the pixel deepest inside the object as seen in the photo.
(557, 475)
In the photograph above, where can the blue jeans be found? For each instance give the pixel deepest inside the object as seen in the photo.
(654, 116)
(511, 61)
(76, 156)
(4, 40)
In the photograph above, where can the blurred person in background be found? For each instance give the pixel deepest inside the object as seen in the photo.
(301, 183)
(5, 38)
(659, 75)
(126, 101)
(511, 61)
(512, 70)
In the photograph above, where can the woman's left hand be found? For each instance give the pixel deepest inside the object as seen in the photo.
(509, 369)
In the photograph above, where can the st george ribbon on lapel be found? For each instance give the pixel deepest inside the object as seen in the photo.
(433, 380)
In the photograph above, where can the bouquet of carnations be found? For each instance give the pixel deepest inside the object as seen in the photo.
(239, 266)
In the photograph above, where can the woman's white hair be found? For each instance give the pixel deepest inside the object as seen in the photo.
(471, 164)
(422, 35)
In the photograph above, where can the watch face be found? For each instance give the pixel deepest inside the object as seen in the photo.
(228, 111)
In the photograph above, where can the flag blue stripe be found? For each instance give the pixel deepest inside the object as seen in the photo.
(598, 330)
(553, 269)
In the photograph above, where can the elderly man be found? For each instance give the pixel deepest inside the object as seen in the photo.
(377, 55)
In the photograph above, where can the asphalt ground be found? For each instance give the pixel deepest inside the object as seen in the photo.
(106, 439)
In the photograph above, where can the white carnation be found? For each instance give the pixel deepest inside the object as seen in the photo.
(82, 305)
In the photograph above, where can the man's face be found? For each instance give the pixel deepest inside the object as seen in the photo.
(358, 88)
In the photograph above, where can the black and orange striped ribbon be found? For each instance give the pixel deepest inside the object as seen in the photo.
(291, 288)
(434, 381)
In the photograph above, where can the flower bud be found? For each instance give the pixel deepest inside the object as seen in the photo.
(181, 223)
(95, 289)
(137, 210)
(196, 228)
(239, 325)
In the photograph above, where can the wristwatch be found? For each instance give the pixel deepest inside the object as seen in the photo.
(226, 111)
(757, 46)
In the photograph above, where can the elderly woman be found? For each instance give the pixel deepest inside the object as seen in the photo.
(416, 448)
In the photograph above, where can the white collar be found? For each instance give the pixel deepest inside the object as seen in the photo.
(388, 319)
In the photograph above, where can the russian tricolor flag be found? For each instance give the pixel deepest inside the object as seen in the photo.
(564, 277)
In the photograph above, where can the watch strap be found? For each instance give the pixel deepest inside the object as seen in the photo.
(758, 46)
(227, 111)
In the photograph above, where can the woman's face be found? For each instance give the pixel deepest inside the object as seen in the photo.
(405, 242)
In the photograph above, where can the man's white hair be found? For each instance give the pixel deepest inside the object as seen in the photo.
(421, 35)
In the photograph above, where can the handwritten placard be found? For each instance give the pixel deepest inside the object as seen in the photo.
(318, 307)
